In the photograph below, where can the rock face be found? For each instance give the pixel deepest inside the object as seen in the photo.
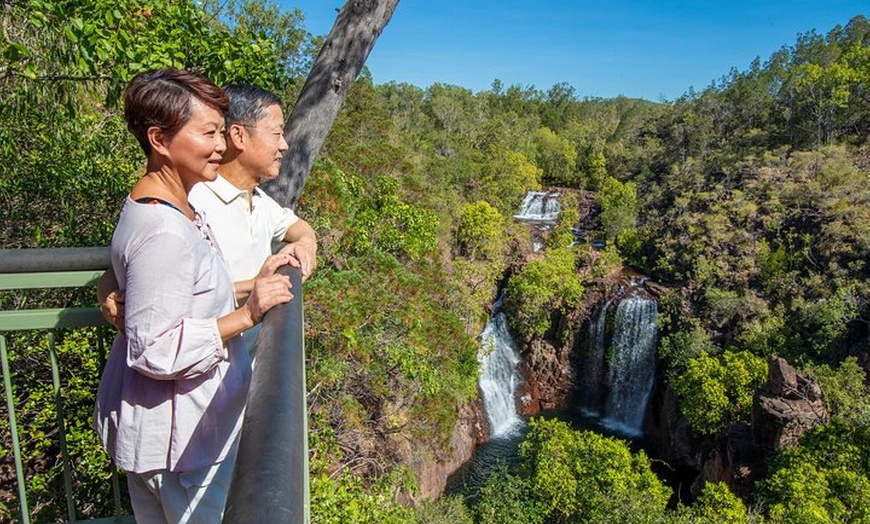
(733, 458)
(667, 431)
(469, 432)
(548, 378)
(784, 408)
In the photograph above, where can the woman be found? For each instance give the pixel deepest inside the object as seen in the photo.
(170, 402)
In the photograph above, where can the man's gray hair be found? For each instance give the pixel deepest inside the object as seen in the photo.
(248, 103)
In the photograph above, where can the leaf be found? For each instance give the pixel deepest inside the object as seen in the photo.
(70, 35)
(14, 52)
(30, 71)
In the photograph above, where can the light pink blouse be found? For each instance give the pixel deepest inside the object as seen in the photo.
(172, 395)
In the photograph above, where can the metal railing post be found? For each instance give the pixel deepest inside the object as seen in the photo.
(270, 479)
(61, 426)
(13, 430)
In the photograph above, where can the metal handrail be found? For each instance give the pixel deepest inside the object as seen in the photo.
(54, 259)
(270, 479)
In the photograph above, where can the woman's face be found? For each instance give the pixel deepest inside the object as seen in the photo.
(195, 151)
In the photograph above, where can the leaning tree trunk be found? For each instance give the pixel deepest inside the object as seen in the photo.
(357, 27)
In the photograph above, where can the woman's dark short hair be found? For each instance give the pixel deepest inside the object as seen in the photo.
(248, 103)
(161, 98)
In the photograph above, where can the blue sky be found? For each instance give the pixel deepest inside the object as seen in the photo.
(645, 49)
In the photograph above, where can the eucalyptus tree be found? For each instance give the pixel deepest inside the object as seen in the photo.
(356, 29)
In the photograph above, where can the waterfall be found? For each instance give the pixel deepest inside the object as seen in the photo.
(632, 361)
(618, 378)
(592, 363)
(541, 206)
(499, 378)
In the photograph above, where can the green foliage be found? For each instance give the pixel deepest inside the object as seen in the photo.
(476, 283)
(847, 394)
(826, 479)
(573, 476)
(377, 218)
(595, 263)
(541, 288)
(481, 231)
(109, 42)
(447, 508)
(557, 157)
(407, 358)
(79, 359)
(562, 234)
(340, 496)
(619, 207)
(716, 504)
(679, 348)
(766, 334)
(595, 168)
(505, 178)
(717, 391)
(507, 499)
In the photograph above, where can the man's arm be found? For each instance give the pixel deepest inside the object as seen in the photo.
(302, 245)
(111, 299)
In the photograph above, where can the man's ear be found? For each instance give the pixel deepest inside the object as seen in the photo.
(237, 136)
(158, 140)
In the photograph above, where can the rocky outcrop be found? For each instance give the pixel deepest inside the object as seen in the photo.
(667, 432)
(469, 432)
(784, 408)
(735, 459)
(548, 378)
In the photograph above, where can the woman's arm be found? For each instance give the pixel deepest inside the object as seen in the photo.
(164, 341)
(267, 290)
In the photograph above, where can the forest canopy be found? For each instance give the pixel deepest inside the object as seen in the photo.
(749, 201)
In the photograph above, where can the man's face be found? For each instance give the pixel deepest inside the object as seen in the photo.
(267, 144)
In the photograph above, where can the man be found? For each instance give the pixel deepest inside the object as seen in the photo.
(243, 218)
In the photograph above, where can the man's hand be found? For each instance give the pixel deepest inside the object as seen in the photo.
(302, 246)
(111, 299)
(112, 308)
(303, 255)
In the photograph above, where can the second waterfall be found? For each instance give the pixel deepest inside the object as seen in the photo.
(618, 363)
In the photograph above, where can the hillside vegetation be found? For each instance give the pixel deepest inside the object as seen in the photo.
(749, 200)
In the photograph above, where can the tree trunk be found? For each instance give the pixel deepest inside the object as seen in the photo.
(357, 27)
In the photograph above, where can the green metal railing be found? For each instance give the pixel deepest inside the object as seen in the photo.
(29, 269)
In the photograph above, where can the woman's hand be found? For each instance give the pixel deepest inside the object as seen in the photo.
(270, 289)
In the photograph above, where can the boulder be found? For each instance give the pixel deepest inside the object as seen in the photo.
(785, 407)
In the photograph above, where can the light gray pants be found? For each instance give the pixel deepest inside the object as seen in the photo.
(189, 497)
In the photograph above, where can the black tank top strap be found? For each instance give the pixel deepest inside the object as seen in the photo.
(155, 200)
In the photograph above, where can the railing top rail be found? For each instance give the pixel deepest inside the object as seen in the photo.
(54, 259)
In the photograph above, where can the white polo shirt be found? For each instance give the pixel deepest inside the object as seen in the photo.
(244, 229)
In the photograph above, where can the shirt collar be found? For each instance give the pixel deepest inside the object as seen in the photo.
(226, 191)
